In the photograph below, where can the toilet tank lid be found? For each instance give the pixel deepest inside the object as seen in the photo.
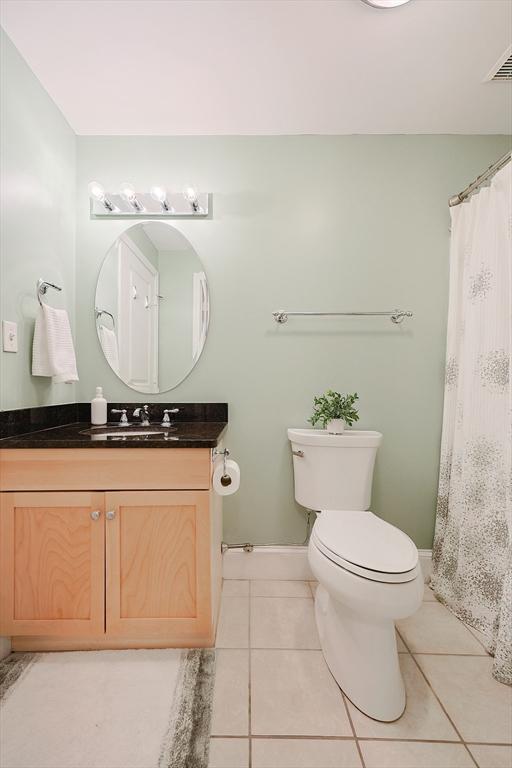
(366, 540)
(351, 438)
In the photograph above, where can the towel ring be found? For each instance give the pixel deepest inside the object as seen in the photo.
(100, 312)
(41, 288)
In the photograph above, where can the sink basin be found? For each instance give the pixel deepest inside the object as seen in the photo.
(130, 431)
(134, 432)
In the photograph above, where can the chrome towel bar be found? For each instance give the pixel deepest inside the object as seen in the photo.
(41, 288)
(396, 316)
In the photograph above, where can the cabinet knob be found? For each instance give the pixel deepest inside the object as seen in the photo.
(111, 514)
(95, 514)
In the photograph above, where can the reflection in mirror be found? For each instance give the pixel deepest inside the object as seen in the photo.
(152, 307)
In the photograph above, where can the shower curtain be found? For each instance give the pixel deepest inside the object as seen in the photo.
(472, 545)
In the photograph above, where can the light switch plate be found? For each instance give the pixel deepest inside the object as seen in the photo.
(10, 336)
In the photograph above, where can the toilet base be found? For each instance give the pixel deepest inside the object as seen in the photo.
(362, 655)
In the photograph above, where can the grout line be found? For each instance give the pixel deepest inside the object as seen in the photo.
(363, 738)
(447, 653)
(440, 702)
(249, 713)
(358, 746)
(476, 637)
(269, 597)
(318, 648)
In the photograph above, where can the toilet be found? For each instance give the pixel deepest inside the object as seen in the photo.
(368, 570)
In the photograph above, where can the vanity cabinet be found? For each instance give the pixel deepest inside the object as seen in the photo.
(112, 568)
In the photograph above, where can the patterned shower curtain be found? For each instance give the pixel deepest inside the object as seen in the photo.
(472, 545)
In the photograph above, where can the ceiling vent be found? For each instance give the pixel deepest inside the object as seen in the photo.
(502, 70)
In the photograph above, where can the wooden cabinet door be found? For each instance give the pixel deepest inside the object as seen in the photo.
(158, 565)
(52, 555)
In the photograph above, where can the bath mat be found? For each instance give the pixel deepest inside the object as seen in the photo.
(106, 709)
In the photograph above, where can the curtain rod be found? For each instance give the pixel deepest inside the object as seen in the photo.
(457, 199)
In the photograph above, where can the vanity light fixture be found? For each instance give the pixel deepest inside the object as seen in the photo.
(96, 192)
(190, 195)
(160, 195)
(127, 192)
(157, 202)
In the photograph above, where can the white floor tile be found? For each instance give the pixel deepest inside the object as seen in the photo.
(408, 754)
(481, 639)
(263, 588)
(230, 715)
(428, 594)
(304, 753)
(491, 756)
(229, 753)
(283, 622)
(233, 629)
(235, 588)
(400, 646)
(480, 707)
(433, 629)
(313, 586)
(423, 717)
(294, 694)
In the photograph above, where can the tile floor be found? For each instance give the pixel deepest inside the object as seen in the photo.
(277, 706)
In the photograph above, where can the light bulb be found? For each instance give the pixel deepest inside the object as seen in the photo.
(127, 192)
(190, 194)
(96, 191)
(159, 194)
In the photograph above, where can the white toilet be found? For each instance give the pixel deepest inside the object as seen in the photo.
(368, 570)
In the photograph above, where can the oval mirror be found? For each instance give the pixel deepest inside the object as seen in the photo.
(152, 307)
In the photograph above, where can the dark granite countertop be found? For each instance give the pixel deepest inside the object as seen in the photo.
(183, 434)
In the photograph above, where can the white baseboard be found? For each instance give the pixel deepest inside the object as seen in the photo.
(426, 562)
(285, 563)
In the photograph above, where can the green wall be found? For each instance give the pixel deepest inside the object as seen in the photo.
(37, 218)
(327, 222)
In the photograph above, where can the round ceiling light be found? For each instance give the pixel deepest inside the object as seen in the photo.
(385, 3)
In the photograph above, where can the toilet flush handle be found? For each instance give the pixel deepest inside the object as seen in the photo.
(300, 454)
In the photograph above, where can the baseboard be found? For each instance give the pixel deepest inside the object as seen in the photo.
(286, 563)
(426, 562)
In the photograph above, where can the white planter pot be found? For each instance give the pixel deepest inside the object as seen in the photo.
(336, 426)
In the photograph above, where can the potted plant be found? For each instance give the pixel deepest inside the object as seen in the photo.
(335, 411)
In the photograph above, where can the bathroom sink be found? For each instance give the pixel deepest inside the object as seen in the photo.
(135, 432)
(131, 431)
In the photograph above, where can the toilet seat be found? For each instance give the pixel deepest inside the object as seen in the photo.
(366, 545)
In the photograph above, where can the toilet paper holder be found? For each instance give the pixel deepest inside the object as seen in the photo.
(224, 452)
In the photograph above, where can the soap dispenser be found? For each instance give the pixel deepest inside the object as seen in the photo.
(99, 408)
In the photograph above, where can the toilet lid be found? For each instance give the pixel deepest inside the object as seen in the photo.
(364, 540)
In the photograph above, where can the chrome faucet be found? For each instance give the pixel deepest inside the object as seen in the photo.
(142, 413)
(166, 422)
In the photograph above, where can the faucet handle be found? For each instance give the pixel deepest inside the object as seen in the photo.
(124, 419)
(166, 422)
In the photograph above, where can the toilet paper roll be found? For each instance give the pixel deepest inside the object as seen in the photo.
(229, 483)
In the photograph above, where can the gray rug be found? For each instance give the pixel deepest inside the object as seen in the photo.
(106, 709)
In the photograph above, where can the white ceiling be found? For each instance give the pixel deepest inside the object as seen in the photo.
(267, 66)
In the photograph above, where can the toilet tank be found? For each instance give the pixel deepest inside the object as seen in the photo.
(333, 471)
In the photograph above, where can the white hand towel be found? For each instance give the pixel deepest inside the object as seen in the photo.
(53, 353)
(108, 341)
